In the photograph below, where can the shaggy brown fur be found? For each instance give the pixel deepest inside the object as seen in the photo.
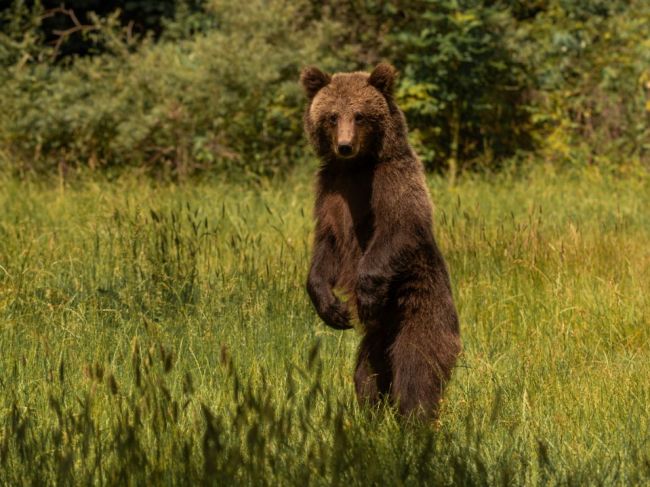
(374, 241)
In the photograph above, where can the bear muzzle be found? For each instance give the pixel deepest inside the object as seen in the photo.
(344, 150)
(346, 146)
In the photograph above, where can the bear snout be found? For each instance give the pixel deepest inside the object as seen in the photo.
(344, 149)
(346, 138)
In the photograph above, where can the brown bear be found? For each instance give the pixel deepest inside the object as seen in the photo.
(374, 241)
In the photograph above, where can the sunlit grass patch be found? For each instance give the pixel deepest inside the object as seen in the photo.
(162, 333)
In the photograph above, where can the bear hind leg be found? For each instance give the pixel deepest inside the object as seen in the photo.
(372, 376)
(419, 377)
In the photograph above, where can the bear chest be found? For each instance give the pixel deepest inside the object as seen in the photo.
(355, 227)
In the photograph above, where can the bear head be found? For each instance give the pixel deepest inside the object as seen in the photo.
(349, 113)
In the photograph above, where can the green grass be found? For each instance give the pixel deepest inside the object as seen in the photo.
(162, 333)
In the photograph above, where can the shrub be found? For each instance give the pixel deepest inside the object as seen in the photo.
(225, 99)
(462, 89)
(589, 61)
(216, 88)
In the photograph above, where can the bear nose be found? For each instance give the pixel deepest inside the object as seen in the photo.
(345, 149)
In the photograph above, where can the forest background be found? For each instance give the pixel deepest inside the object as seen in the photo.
(184, 87)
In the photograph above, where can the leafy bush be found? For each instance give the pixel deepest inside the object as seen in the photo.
(590, 62)
(216, 89)
(463, 88)
(224, 99)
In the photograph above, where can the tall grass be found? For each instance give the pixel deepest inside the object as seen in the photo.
(161, 333)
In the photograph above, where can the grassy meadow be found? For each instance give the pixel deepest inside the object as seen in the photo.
(161, 333)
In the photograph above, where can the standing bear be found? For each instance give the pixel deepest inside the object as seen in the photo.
(374, 241)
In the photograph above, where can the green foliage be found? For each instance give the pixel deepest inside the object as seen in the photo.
(226, 99)
(463, 87)
(215, 86)
(60, 22)
(589, 61)
(149, 337)
(20, 39)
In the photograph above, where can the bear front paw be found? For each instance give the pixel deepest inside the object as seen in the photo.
(337, 316)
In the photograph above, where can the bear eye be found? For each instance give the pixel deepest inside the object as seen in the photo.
(332, 118)
(359, 118)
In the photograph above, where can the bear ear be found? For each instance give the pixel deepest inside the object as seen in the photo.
(313, 80)
(383, 78)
